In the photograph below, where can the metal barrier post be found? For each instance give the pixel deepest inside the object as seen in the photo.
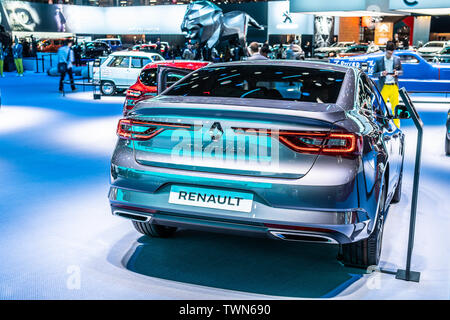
(37, 64)
(407, 274)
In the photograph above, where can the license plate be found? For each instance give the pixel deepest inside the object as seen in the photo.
(211, 198)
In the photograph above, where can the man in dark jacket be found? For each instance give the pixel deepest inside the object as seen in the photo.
(17, 52)
(388, 68)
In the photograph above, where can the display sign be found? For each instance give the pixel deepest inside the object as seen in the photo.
(39, 17)
(282, 21)
(383, 32)
(323, 31)
(418, 4)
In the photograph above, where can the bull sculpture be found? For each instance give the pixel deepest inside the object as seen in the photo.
(205, 23)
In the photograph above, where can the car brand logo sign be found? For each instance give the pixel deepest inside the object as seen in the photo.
(410, 3)
(215, 132)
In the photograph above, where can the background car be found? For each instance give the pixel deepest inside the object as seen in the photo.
(418, 74)
(443, 56)
(93, 49)
(114, 43)
(146, 85)
(50, 45)
(333, 50)
(121, 69)
(430, 49)
(354, 50)
(145, 47)
(327, 168)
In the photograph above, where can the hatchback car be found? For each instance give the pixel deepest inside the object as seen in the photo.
(121, 69)
(289, 150)
(146, 85)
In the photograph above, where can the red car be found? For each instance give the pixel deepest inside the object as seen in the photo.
(146, 84)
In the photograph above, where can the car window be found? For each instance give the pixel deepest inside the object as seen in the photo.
(365, 96)
(434, 45)
(136, 62)
(379, 106)
(120, 62)
(173, 77)
(408, 59)
(148, 77)
(263, 82)
(146, 61)
(156, 58)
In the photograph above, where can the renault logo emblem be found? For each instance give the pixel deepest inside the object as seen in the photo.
(215, 132)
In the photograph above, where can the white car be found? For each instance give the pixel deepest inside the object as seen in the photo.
(333, 50)
(121, 69)
(431, 49)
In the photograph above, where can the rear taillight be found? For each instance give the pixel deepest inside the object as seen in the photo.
(133, 93)
(329, 143)
(326, 143)
(143, 130)
(128, 129)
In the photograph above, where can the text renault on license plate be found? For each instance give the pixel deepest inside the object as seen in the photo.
(211, 198)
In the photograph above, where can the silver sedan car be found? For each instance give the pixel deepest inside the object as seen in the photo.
(290, 150)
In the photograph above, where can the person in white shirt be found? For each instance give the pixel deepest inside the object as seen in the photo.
(65, 60)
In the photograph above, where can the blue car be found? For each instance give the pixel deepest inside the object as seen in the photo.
(418, 74)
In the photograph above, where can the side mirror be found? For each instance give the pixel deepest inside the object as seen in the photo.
(401, 112)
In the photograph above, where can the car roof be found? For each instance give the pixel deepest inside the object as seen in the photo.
(175, 63)
(107, 39)
(288, 63)
(135, 54)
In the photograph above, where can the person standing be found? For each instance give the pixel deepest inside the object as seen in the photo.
(17, 52)
(2, 58)
(290, 54)
(388, 68)
(188, 54)
(255, 53)
(307, 48)
(65, 60)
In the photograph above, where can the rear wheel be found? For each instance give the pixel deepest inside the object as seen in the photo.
(398, 190)
(447, 146)
(108, 88)
(367, 252)
(154, 230)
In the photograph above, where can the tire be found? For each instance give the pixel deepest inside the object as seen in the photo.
(398, 190)
(108, 88)
(154, 230)
(447, 146)
(367, 252)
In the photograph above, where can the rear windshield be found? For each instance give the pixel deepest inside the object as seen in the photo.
(262, 82)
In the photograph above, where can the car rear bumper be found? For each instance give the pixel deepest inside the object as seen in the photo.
(326, 226)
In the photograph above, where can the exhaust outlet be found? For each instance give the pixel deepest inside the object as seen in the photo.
(304, 237)
(132, 216)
